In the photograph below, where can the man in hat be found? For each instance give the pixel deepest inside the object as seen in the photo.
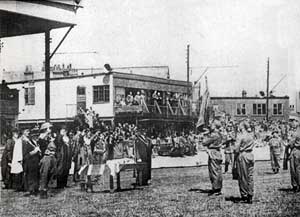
(229, 143)
(44, 137)
(47, 169)
(276, 145)
(214, 144)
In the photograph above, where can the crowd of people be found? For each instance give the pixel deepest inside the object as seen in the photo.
(238, 141)
(139, 97)
(40, 156)
(36, 157)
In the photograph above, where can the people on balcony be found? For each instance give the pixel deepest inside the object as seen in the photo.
(129, 98)
(137, 99)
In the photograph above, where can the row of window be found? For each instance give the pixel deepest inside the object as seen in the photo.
(259, 109)
(100, 94)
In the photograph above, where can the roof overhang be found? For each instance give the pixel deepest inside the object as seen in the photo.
(24, 17)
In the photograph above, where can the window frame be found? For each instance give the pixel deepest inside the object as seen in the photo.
(259, 109)
(241, 109)
(105, 94)
(278, 107)
(29, 95)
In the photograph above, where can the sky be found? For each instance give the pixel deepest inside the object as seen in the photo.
(240, 33)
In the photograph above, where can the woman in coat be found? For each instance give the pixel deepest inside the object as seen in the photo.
(64, 158)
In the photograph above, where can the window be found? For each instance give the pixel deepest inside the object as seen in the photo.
(241, 109)
(80, 90)
(29, 96)
(259, 109)
(101, 94)
(277, 109)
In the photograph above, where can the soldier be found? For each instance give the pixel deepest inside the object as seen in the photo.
(44, 137)
(47, 169)
(245, 163)
(276, 145)
(213, 144)
(229, 143)
(294, 157)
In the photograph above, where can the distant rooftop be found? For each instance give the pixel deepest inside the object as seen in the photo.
(62, 71)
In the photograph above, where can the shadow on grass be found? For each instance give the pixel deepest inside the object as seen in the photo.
(199, 190)
(233, 199)
(116, 190)
(270, 173)
(286, 190)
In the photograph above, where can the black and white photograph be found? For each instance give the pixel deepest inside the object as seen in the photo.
(149, 108)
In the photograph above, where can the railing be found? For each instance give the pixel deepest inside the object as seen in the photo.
(179, 108)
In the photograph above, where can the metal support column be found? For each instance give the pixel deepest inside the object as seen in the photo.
(47, 75)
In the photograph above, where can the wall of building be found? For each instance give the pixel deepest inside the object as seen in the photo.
(63, 98)
(229, 106)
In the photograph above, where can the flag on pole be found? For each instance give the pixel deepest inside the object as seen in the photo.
(203, 108)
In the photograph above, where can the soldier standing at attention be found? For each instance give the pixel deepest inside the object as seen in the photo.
(214, 144)
(229, 143)
(294, 157)
(245, 163)
(276, 145)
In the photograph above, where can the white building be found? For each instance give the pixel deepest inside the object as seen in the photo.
(71, 89)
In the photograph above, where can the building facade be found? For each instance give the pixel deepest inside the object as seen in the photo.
(106, 94)
(253, 107)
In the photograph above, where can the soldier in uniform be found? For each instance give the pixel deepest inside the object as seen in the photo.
(213, 144)
(47, 169)
(294, 157)
(245, 163)
(276, 145)
(229, 143)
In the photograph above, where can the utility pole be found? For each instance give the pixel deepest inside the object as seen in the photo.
(188, 69)
(188, 76)
(47, 75)
(267, 94)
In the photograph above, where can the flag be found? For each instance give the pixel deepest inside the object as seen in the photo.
(203, 108)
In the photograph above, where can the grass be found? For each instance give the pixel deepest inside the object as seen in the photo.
(168, 195)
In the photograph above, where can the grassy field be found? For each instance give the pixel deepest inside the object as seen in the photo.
(168, 195)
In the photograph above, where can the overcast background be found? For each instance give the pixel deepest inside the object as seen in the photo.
(155, 32)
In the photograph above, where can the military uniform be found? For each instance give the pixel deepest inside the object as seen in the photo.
(245, 166)
(294, 158)
(229, 143)
(47, 169)
(276, 145)
(213, 144)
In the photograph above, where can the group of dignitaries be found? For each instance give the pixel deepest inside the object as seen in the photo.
(39, 157)
(238, 143)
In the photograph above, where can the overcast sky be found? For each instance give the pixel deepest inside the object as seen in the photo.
(155, 32)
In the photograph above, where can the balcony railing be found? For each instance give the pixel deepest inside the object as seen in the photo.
(179, 108)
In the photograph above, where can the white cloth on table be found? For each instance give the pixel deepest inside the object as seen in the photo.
(114, 165)
(92, 169)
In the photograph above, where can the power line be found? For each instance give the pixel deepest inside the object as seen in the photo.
(79, 52)
(278, 82)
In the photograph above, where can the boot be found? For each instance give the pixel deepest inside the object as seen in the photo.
(83, 186)
(249, 199)
(43, 194)
(89, 184)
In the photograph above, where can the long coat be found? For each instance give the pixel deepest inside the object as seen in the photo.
(64, 160)
(5, 161)
(30, 165)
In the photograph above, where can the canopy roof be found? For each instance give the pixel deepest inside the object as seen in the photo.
(23, 17)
